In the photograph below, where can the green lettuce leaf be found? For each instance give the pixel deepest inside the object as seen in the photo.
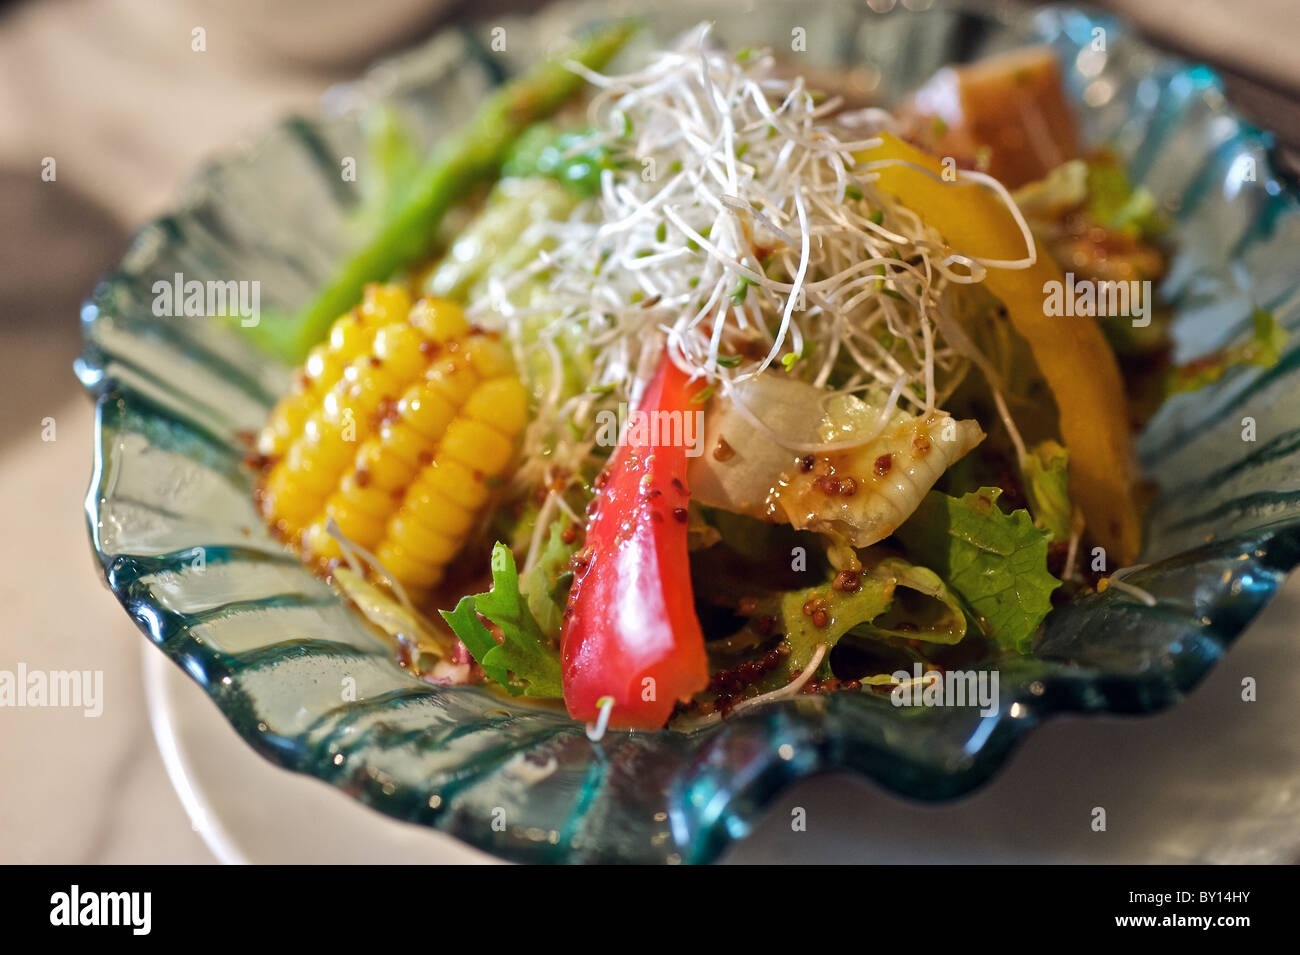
(923, 607)
(546, 585)
(996, 562)
(1048, 487)
(390, 616)
(524, 662)
(500, 239)
(546, 150)
(1116, 203)
(843, 613)
(894, 599)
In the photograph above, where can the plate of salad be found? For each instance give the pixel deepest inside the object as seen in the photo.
(589, 426)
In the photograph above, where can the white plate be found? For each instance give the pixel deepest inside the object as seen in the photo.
(1215, 779)
(250, 811)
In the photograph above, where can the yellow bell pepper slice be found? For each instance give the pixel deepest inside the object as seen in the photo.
(1071, 353)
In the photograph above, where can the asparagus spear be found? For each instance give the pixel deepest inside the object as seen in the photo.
(470, 155)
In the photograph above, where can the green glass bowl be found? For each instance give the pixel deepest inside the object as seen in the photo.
(174, 528)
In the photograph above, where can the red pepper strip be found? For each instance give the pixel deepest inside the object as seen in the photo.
(630, 630)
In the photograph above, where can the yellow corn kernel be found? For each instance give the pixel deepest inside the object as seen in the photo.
(350, 337)
(419, 541)
(356, 525)
(501, 403)
(323, 367)
(318, 544)
(323, 445)
(454, 481)
(352, 411)
(343, 413)
(453, 378)
(441, 320)
(385, 471)
(312, 472)
(409, 445)
(399, 347)
(283, 499)
(298, 486)
(426, 411)
(409, 570)
(365, 384)
(476, 446)
(366, 497)
(437, 512)
(381, 304)
(286, 422)
(488, 356)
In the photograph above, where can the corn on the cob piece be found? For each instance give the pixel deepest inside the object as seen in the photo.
(351, 336)
(398, 449)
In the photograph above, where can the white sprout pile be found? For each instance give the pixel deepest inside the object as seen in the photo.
(743, 231)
